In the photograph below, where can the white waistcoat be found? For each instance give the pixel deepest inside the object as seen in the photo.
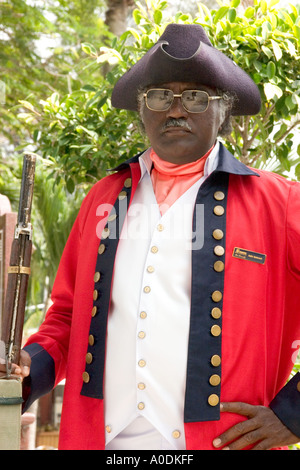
(148, 323)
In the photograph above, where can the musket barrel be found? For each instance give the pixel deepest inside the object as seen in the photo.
(19, 268)
(26, 193)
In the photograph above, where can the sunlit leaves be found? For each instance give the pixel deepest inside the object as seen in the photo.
(84, 135)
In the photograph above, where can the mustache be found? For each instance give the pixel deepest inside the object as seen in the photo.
(172, 122)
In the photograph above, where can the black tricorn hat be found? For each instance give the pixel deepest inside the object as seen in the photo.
(185, 54)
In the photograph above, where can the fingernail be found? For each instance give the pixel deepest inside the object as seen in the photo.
(217, 442)
(26, 370)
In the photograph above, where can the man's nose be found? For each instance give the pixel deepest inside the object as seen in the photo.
(177, 110)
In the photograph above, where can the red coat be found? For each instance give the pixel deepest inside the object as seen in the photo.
(260, 294)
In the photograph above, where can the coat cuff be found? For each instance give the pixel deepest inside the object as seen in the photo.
(42, 375)
(286, 405)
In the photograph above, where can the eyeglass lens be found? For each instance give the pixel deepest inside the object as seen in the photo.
(193, 100)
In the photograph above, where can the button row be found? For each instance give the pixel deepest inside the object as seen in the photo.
(175, 434)
(216, 312)
(97, 277)
(142, 334)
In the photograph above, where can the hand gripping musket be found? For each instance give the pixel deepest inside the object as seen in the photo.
(19, 269)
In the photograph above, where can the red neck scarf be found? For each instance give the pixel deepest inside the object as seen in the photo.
(170, 181)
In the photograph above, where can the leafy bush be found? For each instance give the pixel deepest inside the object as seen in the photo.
(81, 135)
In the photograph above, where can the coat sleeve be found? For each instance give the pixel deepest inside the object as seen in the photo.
(48, 347)
(286, 404)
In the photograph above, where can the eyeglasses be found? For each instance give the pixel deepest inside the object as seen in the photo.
(193, 101)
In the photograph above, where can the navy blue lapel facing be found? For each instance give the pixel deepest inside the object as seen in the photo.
(203, 383)
(229, 164)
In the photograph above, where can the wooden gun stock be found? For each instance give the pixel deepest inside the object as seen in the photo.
(19, 269)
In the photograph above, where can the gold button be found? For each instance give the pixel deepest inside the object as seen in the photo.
(127, 183)
(160, 227)
(216, 312)
(216, 296)
(150, 269)
(88, 358)
(95, 295)
(105, 233)
(213, 399)
(154, 249)
(94, 311)
(122, 195)
(219, 210)
(215, 330)
(147, 289)
(86, 377)
(176, 434)
(219, 195)
(143, 315)
(219, 266)
(218, 234)
(219, 250)
(111, 217)
(298, 386)
(101, 249)
(97, 277)
(142, 363)
(214, 380)
(215, 360)
(141, 386)
(108, 428)
(141, 334)
(91, 340)
(141, 405)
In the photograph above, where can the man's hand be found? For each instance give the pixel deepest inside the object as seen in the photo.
(263, 430)
(20, 370)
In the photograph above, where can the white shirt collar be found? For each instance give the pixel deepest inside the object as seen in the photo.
(210, 164)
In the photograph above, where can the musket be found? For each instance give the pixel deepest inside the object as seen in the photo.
(19, 269)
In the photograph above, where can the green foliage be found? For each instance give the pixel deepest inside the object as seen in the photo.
(40, 52)
(264, 41)
(81, 134)
(53, 214)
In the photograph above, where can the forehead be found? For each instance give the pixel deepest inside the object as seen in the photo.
(181, 86)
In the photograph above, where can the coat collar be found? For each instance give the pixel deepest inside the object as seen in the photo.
(227, 164)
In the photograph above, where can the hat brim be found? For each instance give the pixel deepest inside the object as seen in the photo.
(207, 66)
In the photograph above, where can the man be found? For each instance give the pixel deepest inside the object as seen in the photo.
(179, 328)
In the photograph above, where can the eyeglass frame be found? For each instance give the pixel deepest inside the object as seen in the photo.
(209, 98)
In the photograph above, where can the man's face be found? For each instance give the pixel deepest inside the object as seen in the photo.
(183, 144)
